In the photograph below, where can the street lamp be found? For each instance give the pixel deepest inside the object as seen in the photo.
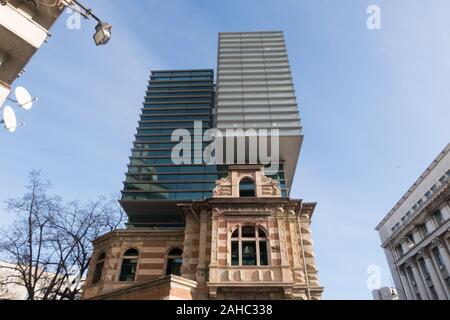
(102, 33)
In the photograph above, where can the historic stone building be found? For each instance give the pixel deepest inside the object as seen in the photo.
(233, 247)
(213, 231)
(415, 235)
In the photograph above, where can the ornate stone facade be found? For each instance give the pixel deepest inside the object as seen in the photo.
(283, 266)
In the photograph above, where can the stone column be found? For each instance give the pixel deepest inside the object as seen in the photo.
(406, 286)
(419, 281)
(409, 282)
(294, 230)
(435, 278)
(444, 255)
(201, 267)
(283, 244)
(190, 233)
(442, 252)
(214, 238)
(285, 266)
(424, 278)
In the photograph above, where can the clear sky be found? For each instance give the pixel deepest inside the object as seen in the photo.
(375, 106)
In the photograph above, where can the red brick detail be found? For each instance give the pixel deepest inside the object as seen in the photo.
(153, 255)
(151, 266)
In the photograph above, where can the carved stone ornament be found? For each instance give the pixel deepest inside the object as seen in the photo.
(223, 188)
(270, 187)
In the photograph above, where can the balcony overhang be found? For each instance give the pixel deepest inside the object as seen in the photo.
(23, 30)
(22, 26)
(156, 212)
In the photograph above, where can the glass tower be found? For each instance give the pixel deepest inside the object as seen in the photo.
(154, 184)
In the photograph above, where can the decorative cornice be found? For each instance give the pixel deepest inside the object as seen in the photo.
(415, 185)
(133, 233)
(442, 196)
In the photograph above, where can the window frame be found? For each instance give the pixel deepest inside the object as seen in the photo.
(122, 258)
(247, 180)
(169, 257)
(256, 239)
(98, 272)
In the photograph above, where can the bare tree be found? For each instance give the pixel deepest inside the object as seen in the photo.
(49, 245)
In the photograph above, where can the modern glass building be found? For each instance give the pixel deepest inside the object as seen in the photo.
(254, 90)
(154, 184)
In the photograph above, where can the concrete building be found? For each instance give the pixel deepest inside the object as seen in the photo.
(415, 235)
(225, 231)
(385, 293)
(255, 90)
(24, 28)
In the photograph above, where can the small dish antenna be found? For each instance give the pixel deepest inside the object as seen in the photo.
(9, 119)
(23, 98)
(25, 102)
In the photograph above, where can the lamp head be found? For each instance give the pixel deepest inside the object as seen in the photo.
(102, 33)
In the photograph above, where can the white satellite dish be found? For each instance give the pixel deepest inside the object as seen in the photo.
(24, 98)
(9, 119)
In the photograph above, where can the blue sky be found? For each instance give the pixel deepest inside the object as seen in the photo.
(375, 106)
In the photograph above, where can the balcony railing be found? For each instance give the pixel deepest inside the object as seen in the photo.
(230, 274)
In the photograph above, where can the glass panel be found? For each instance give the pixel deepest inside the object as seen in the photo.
(174, 266)
(235, 233)
(97, 272)
(248, 232)
(261, 233)
(234, 253)
(176, 252)
(263, 253)
(248, 253)
(128, 270)
(131, 253)
(247, 188)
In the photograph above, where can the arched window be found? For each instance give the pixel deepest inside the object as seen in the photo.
(129, 265)
(174, 262)
(247, 188)
(98, 268)
(249, 247)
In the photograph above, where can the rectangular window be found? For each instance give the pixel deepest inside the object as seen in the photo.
(400, 250)
(249, 253)
(437, 256)
(423, 230)
(424, 269)
(234, 253)
(263, 253)
(438, 218)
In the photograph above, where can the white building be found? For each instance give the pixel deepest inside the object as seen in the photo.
(11, 287)
(24, 28)
(415, 235)
(385, 293)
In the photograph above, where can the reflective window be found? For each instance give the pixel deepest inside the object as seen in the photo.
(129, 265)
(247, 188)
(174, 262)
